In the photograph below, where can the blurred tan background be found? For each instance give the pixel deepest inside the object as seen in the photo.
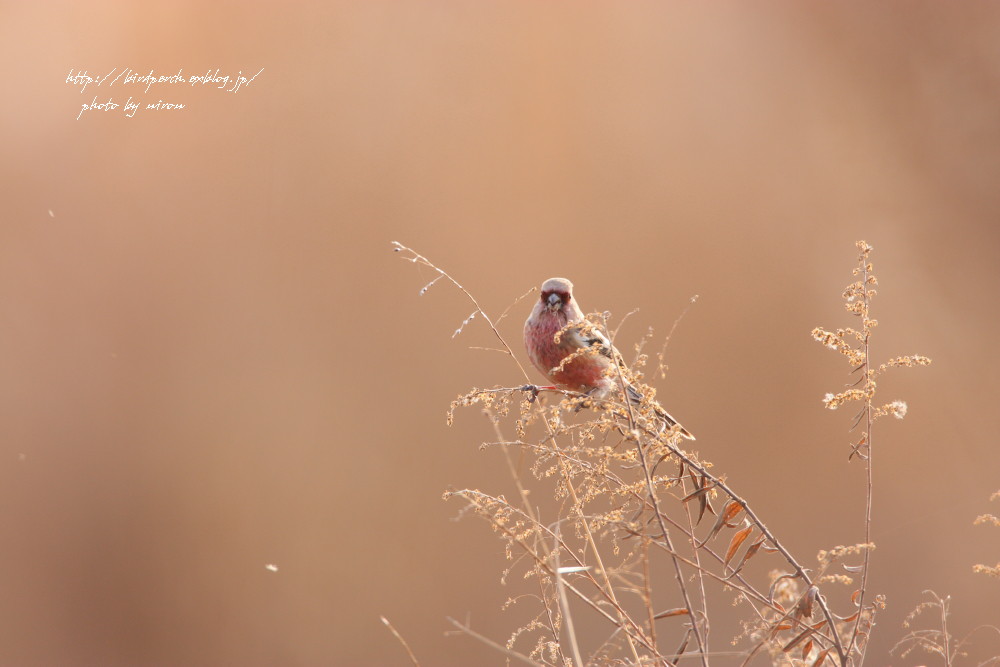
(211, 361)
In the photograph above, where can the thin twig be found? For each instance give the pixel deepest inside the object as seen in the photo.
(610, 592)
(654, 501)
(869, 391)
(623, 621)
(752, 516)
(647, 594)
(564, 604)
(666, 341)
(489, 642)
(532, 513)
(698, 570)
(418, 258)
(402, 641)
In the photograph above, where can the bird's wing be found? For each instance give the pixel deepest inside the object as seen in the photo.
(585, 334)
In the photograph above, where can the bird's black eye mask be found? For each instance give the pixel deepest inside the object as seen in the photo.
(547, 295)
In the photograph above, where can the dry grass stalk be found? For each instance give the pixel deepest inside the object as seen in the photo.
(938, 640)
(988, 520)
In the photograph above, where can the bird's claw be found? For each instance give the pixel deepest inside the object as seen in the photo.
(586, 400)
(533, 389)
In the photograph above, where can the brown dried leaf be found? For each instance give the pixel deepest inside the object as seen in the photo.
(679, 611)
(684, 643)
(798, 638)
(706, 504)
(808, 646)
(736, 542)
(821, 658)
(804, 608)
(700, 491)
(731, 509)
(778, 627)
(702, 506)
(749, 553)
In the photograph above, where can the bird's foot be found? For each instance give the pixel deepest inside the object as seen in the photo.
(534, 389)
(586, 399)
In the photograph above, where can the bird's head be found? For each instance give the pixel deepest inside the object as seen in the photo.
(556, 294)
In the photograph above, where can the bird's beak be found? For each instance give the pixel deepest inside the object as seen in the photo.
(555, 302)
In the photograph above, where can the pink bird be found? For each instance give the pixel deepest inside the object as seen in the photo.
(587, 372)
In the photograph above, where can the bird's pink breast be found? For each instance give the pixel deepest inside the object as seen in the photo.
(583, 373)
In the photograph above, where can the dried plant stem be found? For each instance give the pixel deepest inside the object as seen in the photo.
(553, 627)
(869, 395)
(755, 520)
(655, 504)
(740, 584)
(743, 587)
(945, 636)
(647, 593)
(699, 571)
(939, 640)
(489, 642)
(666, 341)
(673, 555)
(625, 619)
(417, 258)
(532, 513)
(542, 561)
(402, 641)
(652, 502)
(564, 604)
(800, 571)
(522, 492)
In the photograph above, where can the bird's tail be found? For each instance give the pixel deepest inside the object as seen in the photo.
(635, 398)
(671, 422)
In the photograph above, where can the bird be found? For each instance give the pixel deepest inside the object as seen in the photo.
(558, 311)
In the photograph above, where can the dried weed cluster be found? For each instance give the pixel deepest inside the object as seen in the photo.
(988, 520)
(623, 525)
(938, 641)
